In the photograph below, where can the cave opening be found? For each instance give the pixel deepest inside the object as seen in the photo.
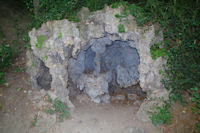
(106, 71)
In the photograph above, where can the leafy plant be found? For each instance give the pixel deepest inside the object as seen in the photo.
(40, 41)
(49, 111)
(62, 109)
(119, 3)
(162, 116)
(1, 106)
(195, 94)
(26, 39)
(44, 58)
(121, 28)
(60, 36)
(16, 70)
(6, 54)
(35, 121)
(156, 51)
(59, 108)
(20, 89)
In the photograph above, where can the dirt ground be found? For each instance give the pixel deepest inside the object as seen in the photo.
(21, 106)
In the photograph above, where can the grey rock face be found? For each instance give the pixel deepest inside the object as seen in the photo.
(94, 57)
(104, 63)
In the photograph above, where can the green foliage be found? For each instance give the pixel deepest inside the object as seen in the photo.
(20, 89)
(74, 19)
(62, 109)
(156, 51)
(2, 80)
(26, 39)
(53, 10)
(121, 28)
(50, 99)
(40, 41)
(33, 64)
(198, 125)
(60, 36)
(195, 97)
(16, 70)
(180, 21)
(162, 116)
(59, 108)
(44, 58)
(49, 111)
(119, 3)
(35, 121)
(1, 106)
(6, 54)
(94, 5)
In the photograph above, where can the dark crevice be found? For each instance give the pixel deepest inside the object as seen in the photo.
(44, 78)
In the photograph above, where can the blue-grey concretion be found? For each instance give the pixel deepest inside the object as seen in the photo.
(117, 60)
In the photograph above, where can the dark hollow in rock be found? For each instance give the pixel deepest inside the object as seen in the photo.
(122, 61)
(89, 61)
(117, 62)
(44, 78)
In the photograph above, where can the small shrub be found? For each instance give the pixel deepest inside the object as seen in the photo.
(35, 121)
(62, 109)
(49, 111)
(60, 36)
(163, 115)
(156, 51)
(6, 54)
(58, 108)
(121, 28)
(40, 41)
(44, 58)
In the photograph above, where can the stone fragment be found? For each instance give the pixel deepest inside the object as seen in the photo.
(132, 97)
(118, 98)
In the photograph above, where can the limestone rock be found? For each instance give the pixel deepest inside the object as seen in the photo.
(93, 57)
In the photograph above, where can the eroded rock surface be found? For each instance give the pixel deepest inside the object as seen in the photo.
(94, 57)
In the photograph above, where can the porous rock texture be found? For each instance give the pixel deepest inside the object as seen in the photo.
(94, 57)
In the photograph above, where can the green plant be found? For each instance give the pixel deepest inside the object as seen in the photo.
(120, 3)
(33, 64)
(195, 94)
(26, 39)
(16, 70)
(156, 51)
(6, 54)
(40, 41)
(20, 89)
(49, 99)
(60, 36)
(59, 108)
(74, 19)
(44, 58)
(49, 111)
(62, 109)
(2, 80)
(35, 121)
(121, 28)
(1, 106)
(162, 116)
